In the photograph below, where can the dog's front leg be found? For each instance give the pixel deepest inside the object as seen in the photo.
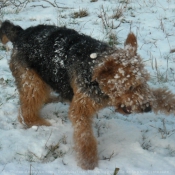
(81, 111)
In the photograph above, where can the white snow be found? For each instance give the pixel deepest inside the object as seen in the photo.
(93, 55)
(138, 144)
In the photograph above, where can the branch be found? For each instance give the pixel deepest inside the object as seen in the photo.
(55, 4)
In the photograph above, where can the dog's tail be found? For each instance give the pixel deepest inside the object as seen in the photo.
(164, 101)
(9, 31)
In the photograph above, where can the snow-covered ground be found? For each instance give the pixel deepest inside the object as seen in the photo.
(142, 144)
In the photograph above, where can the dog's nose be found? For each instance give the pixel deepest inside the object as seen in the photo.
(127, 110)
(147, 109)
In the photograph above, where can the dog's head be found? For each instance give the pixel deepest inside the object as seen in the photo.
(123, 78)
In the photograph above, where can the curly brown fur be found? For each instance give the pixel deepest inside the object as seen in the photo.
(86, 72)
(33, 93)
(164, 101)
(81, 112)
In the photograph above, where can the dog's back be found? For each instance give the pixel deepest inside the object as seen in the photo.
(56, 54)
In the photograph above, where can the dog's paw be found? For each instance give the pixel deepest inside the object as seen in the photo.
(38, 122)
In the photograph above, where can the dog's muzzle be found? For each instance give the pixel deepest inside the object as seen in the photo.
(147, 109)
(128, 109)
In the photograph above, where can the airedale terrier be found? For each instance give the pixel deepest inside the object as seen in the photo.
(84, 71)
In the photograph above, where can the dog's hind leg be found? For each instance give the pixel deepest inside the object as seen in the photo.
(33, 93)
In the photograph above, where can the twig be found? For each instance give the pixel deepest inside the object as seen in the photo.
(39, 5)
(19, 5)
(172, 50)
(64, 162)
(3, 168)
(55, 5)
(116, 171)
(50, 3)
(48, 138)
(164, 127)
(105, 20)
(108, 158)
(34, 155)
(30, 169)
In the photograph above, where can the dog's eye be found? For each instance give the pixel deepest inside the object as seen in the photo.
(131, 88)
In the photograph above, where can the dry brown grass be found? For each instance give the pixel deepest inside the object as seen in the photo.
(80, 14)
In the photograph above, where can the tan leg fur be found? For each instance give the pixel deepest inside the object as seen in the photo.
(82, 109)
(33, 93)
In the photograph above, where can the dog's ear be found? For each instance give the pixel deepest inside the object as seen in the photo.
(131, 44)
(105, 71)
